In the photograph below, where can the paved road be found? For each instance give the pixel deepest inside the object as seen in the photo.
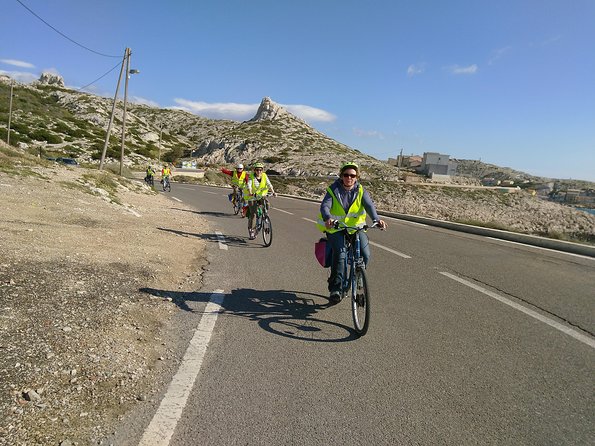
(472, 341)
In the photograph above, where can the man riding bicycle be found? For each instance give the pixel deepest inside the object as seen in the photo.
(345, 201)
(239, 178)
(150, 175)
(257, 188)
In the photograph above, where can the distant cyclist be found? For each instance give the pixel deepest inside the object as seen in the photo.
(165, 173)
(345, 201)
(257, 188)
(150, 175)
(239, 179)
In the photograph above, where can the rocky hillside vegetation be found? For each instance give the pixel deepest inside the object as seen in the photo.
(50, 120)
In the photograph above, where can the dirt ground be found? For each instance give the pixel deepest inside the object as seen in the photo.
(80, 342)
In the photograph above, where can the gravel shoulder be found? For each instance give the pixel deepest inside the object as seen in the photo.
(81, 344)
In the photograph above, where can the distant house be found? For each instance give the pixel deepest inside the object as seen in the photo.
(407, 161)
(437, 163)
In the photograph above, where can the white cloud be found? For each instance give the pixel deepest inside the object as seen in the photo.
(17, 63)
(242, 112)
(228, 110)
(20, 76)
(497, 54)
(368, 133)
(413, 70)
(310, 114)
(455, 69)
(143, 101)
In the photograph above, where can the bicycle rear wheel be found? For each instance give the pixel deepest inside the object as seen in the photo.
(267, 231)
(360, 303)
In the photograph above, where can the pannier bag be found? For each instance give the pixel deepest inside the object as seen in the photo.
(323, 252)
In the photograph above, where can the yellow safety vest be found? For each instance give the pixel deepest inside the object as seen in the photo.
(356, 216)
(238, 181)
(262, 187)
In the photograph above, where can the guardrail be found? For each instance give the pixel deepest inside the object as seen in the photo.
(534, 240)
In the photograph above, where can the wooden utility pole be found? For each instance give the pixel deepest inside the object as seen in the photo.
(9, 112)
(399, 161)
(124, 114)
(111, 119)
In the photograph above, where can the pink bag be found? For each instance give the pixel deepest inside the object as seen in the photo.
(323, 252)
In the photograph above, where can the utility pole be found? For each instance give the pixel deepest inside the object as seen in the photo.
(9, 112)
(399, 161)
(111, 119)
(124, 114)
(160, 134)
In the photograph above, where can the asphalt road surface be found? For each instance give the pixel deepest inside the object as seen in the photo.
(472, 340)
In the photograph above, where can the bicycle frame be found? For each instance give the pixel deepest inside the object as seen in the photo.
(353, 260)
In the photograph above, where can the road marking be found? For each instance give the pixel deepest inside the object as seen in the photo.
(281, 210)
(163, 424)
(540, 247)
(186, 188)
(307, 219)
(534, 314)
(177, 199)
(400, 254)
(212, 193)
(221, 241)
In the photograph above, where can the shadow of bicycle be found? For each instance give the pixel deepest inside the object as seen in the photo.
(290, 314)
(209, 213)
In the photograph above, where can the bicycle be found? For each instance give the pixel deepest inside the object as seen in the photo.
(166, 183)
(149, 180)
(237, 201)
(263, 221)
(355, 282)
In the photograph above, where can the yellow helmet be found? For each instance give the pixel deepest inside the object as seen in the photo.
(350, 165)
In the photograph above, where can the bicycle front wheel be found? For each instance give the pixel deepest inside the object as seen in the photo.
(360, 303)
(267, 231)
(237, 206)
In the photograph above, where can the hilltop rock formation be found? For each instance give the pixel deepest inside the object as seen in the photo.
(51, 79)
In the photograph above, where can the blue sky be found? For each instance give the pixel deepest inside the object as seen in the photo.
(509, 82)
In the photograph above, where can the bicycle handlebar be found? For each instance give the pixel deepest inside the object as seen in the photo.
(340, 225)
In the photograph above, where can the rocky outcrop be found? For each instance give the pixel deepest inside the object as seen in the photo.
(51, 79)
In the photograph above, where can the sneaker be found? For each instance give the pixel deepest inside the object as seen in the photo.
(251, 234)
(335, 297)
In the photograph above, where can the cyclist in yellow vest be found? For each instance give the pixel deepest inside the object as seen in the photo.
(347, 201)
(239, 178)
(258, 188)
(165, 172)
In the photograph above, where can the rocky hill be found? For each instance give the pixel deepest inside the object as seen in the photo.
(51, 120)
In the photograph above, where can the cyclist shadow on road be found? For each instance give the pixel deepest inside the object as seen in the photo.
(229, 240)
(209, 213)
(285, 313)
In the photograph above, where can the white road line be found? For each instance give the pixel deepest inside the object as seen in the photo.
(400, 254)
(221, 241)
(212, 193)
(534, 314)
(281, 210)
(307, 219)
(539, 247)
(185, 188)
(177, 199)
(163, 424)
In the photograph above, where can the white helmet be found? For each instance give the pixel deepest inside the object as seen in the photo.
(240, 166)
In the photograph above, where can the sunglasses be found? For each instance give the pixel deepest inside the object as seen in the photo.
(349, 175)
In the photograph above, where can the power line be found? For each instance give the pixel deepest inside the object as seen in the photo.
(62, 34)
(101, 77)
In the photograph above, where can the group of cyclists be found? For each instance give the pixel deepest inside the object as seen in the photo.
(166, 174)
(346, 201)
(253, 188)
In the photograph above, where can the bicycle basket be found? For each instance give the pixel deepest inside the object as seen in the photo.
(323, 252)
